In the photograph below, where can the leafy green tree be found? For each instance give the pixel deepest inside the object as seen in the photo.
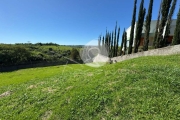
(132, 28)
(139, 26)
(164, 12)
(147, 26)
(176, 39)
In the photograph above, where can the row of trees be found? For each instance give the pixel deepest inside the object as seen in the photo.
(162, 32)
(110, 42)
(166, 10)
(164, 21)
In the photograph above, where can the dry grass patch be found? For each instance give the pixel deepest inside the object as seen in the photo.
(47, 115)
(69, 88)
(49, 90)
(32, 86)
(7, 93)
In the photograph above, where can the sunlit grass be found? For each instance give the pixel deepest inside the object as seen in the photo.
(142, 88)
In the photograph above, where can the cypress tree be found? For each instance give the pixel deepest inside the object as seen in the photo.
(99, 42)
(103, 41)
(125, 42)
(164, 12)
(103, 44)
(122, 43)
(147, 25)
(155, 42)
(109, 50)
(112, 44)
(168, 24)
(132, 28)
(117, 43)
(106, 40)
(139, 26)
(176, 38)
(114, 50)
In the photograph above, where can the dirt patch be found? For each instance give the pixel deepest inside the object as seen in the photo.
(49, 90)
(7, 93)
(47, 115)
(68, 88)
(41, 83)
(136, 88)
(31, 87)
(90, 74)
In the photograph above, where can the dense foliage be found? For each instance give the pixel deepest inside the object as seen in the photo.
(16, 54)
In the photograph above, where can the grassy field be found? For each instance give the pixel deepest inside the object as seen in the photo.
(141, 88)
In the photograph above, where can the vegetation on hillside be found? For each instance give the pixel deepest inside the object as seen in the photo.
(16, 54)
(141, 88)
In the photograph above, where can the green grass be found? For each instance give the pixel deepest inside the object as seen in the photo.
(141, 88)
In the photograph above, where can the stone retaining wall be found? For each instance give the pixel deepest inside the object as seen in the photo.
(155, 52)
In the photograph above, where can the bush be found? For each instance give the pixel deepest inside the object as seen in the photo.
(74, 54)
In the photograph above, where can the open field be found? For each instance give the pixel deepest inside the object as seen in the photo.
(141, 88)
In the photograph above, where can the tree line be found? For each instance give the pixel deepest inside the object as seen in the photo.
(166, 10)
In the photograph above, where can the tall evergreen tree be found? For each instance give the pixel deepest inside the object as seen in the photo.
(112, 41)
(176, 38)
(117, 43)
(168, 23)
(125, 42)
(155, 41)
(122, 43)
(114, 50)
(164, 12)
(99, 42)
(103, 41)
(147, 26)
(106, 40)
(109, 42)
(103, 45)
(139, 26)
(132, 28)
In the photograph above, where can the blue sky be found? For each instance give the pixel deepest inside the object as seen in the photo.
(66, 22)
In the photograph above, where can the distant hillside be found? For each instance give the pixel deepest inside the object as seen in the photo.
(16, 54)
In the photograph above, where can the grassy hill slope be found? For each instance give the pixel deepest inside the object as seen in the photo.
(142, 88)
